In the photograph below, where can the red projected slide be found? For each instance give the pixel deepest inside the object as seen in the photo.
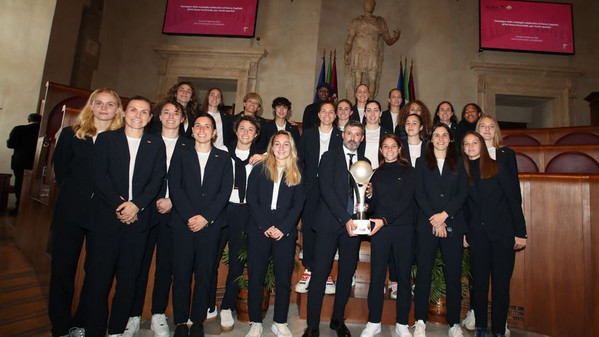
(526, 26)
(211, 17)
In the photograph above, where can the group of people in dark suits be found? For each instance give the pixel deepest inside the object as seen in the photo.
(186, 183)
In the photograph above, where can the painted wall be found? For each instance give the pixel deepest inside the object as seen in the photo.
(24, 34)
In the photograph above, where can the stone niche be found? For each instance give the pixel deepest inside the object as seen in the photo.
(556, 86)
(240, 65)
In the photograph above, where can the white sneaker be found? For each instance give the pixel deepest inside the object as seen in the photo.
(456, 331)
(371, 330)
(336, 255)
(302, 286)
(280, 330)
(329, 288)
(255, 330)
(159, 326)
(211, 314)
(76, 332)
(132, 326)
(420, 328)
(353, 280)
(226, 320)
(393, 287)
(115, 335)
(507, 333)
(301, 255)
(469, 322)
(402, 330)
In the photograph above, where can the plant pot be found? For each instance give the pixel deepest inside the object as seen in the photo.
(437, 312)
(242, 304)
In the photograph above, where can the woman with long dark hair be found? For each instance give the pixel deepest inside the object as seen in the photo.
(441, 191)
(73, 171)
(445, 113)
(415, 107)
(496, 229)
(393, 210)
(275, 198)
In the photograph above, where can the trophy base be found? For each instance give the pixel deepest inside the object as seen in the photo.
(363, 227)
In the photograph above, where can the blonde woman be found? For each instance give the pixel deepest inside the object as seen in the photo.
(73, 170)
(275, 197)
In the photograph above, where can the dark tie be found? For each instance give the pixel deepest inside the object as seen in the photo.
(350, 197)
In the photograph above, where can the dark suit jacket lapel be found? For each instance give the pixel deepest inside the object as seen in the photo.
(213, 158)
(122, 148)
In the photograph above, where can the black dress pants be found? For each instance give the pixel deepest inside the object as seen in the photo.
(325, 247)
(308, 233)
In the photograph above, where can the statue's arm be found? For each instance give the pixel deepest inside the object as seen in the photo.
(349, 42)
(389, 40)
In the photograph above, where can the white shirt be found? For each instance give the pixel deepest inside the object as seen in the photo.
(170, 148)
(219, 142)
(275, 189)
(415, 153)
(361, 113)
(394, 118)
(371, 138)
(325, 139)
(440, 163)
(280, 128)
(133, 147)
(492, 152)
(243, 155)
(203, 158)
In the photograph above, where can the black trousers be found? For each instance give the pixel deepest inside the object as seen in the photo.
(326, 245)
(160, 238)
(308, 233)
(260, 249)
(396, 242)
(451, 254)
(238, 217)
(194, 255)
(110, 255)
(495, 259)
(66, 248)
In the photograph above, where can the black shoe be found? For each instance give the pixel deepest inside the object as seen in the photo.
(181, 331)
(197, 330)
(480, 332)
(339, 326)
(311, 331)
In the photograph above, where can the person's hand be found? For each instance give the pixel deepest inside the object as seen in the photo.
(274, 233)
(520, 243)
(438, 219)
(257, 158)
(350, 227)
(441, 231)
(378, 224)
(465, 242)
(127, 212)
(164, 205)
(196, 223)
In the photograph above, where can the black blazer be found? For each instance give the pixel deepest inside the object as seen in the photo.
(310, 119)
(393, 189)
(387, 120)
(228, 133)
(494, 206)
(290, 203)
(270, 128)
(356, 115)
(308, 154)
(111, 175)
(406, 147)
(507, 157)
(333, 179)
(23, 139)
(441, 192)
(190, 194)
(155, 127)
(73, 170)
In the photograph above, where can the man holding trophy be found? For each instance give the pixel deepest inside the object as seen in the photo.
(336, 228)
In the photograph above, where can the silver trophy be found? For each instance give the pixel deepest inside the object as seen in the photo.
(361, 171)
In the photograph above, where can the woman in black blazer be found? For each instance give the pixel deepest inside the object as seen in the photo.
(171, 117)
(275, 198)
(415, 107)
(496, 228)
(200, 183)
(488, 128)
(314, 143)
(73, 171)
(281, 107)
(393, 210)
(129, 168)
(373, 133)
(445, 113)
(414, 145)
(441, 191)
